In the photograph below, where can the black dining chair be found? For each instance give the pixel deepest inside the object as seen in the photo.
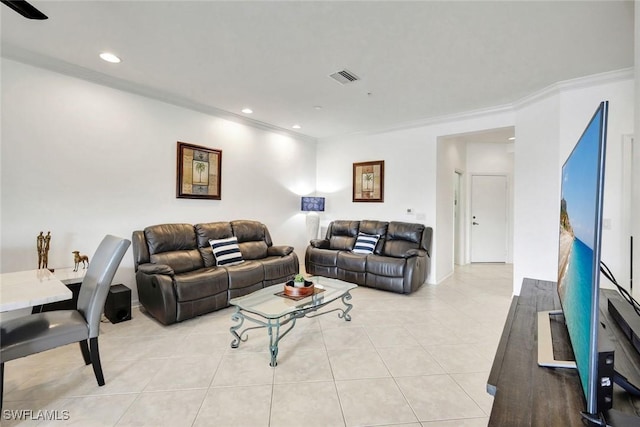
(39, 332)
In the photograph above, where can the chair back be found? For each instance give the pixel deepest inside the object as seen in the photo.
(97, 280)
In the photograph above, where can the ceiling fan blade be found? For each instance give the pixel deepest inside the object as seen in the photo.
(25, 9)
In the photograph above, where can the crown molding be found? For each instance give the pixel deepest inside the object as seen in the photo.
(554, 89)
(66, 68)
(574, 84)
(430, 121)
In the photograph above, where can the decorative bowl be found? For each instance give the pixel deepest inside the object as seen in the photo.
(301, 291)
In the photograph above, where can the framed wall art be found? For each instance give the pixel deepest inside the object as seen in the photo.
(368, 181)
(198, 172)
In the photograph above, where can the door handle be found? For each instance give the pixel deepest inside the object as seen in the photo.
(475, 223)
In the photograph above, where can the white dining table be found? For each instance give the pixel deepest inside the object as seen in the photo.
(25, 289)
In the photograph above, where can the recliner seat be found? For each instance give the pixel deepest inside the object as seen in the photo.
(176, 272)
(399, 263)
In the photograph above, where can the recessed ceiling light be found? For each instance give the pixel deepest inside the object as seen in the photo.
(110, 57)
(317, 107)
(247, 110)
(512, 138)
(296, 126)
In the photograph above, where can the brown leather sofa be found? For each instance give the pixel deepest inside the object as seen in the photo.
(176, 271)
(399, 263)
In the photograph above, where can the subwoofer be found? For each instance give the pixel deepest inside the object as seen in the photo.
(118, 306)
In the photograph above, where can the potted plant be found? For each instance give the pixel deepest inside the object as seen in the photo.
(298, 281)
(299, 286)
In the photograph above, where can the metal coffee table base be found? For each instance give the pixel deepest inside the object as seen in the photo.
(274, 325)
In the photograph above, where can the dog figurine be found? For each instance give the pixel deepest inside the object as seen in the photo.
(77, 259)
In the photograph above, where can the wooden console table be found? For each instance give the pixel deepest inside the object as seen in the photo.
(528, 395)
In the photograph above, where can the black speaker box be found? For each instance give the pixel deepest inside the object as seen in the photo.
(118, 306)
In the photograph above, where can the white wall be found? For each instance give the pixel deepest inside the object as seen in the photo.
(82, 160)
(410, 162)
(536, 192)
(577, 108)
(451, 158)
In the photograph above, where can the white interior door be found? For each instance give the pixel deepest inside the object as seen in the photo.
(488, 218)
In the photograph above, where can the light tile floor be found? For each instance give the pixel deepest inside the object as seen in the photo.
(415, 361)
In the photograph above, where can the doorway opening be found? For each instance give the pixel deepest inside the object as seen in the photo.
(459, 157)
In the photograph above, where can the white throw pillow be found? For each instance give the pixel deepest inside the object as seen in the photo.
(226, 251)
(365, 243)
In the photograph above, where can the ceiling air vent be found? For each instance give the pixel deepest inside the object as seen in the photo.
(344, 76)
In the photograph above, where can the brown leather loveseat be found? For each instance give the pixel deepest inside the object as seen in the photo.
(177, 273)
(399, 259)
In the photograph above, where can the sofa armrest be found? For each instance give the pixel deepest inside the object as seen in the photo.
(157, 295)
(320, 243)
(414, 252)
(279, 250)
(156, 269)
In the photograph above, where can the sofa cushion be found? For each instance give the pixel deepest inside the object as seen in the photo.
(342, 235)
(170, 237)
(277, 267)
(173, 245)
(247, 274)
(253, 238)
(212, 230)
(209, 231)
(352, 262)
(323, 257)
(385, 266)
(200, 283)
(226, 251)
(402, 236)
(207, 256)
(341, 243)
(251, 231)
(179, 261)
(365, 243)
(253, 250)
(375, 227)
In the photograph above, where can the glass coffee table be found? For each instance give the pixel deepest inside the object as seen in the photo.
(267, 309)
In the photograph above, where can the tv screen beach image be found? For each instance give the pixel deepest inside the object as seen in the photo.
(578, 216)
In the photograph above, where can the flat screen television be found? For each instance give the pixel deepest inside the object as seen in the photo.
(581, 204)
(579, 267)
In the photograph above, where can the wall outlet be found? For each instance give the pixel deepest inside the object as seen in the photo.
(606, 223)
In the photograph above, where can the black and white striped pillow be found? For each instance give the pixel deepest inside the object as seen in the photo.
(365, 243)
(226, 251)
